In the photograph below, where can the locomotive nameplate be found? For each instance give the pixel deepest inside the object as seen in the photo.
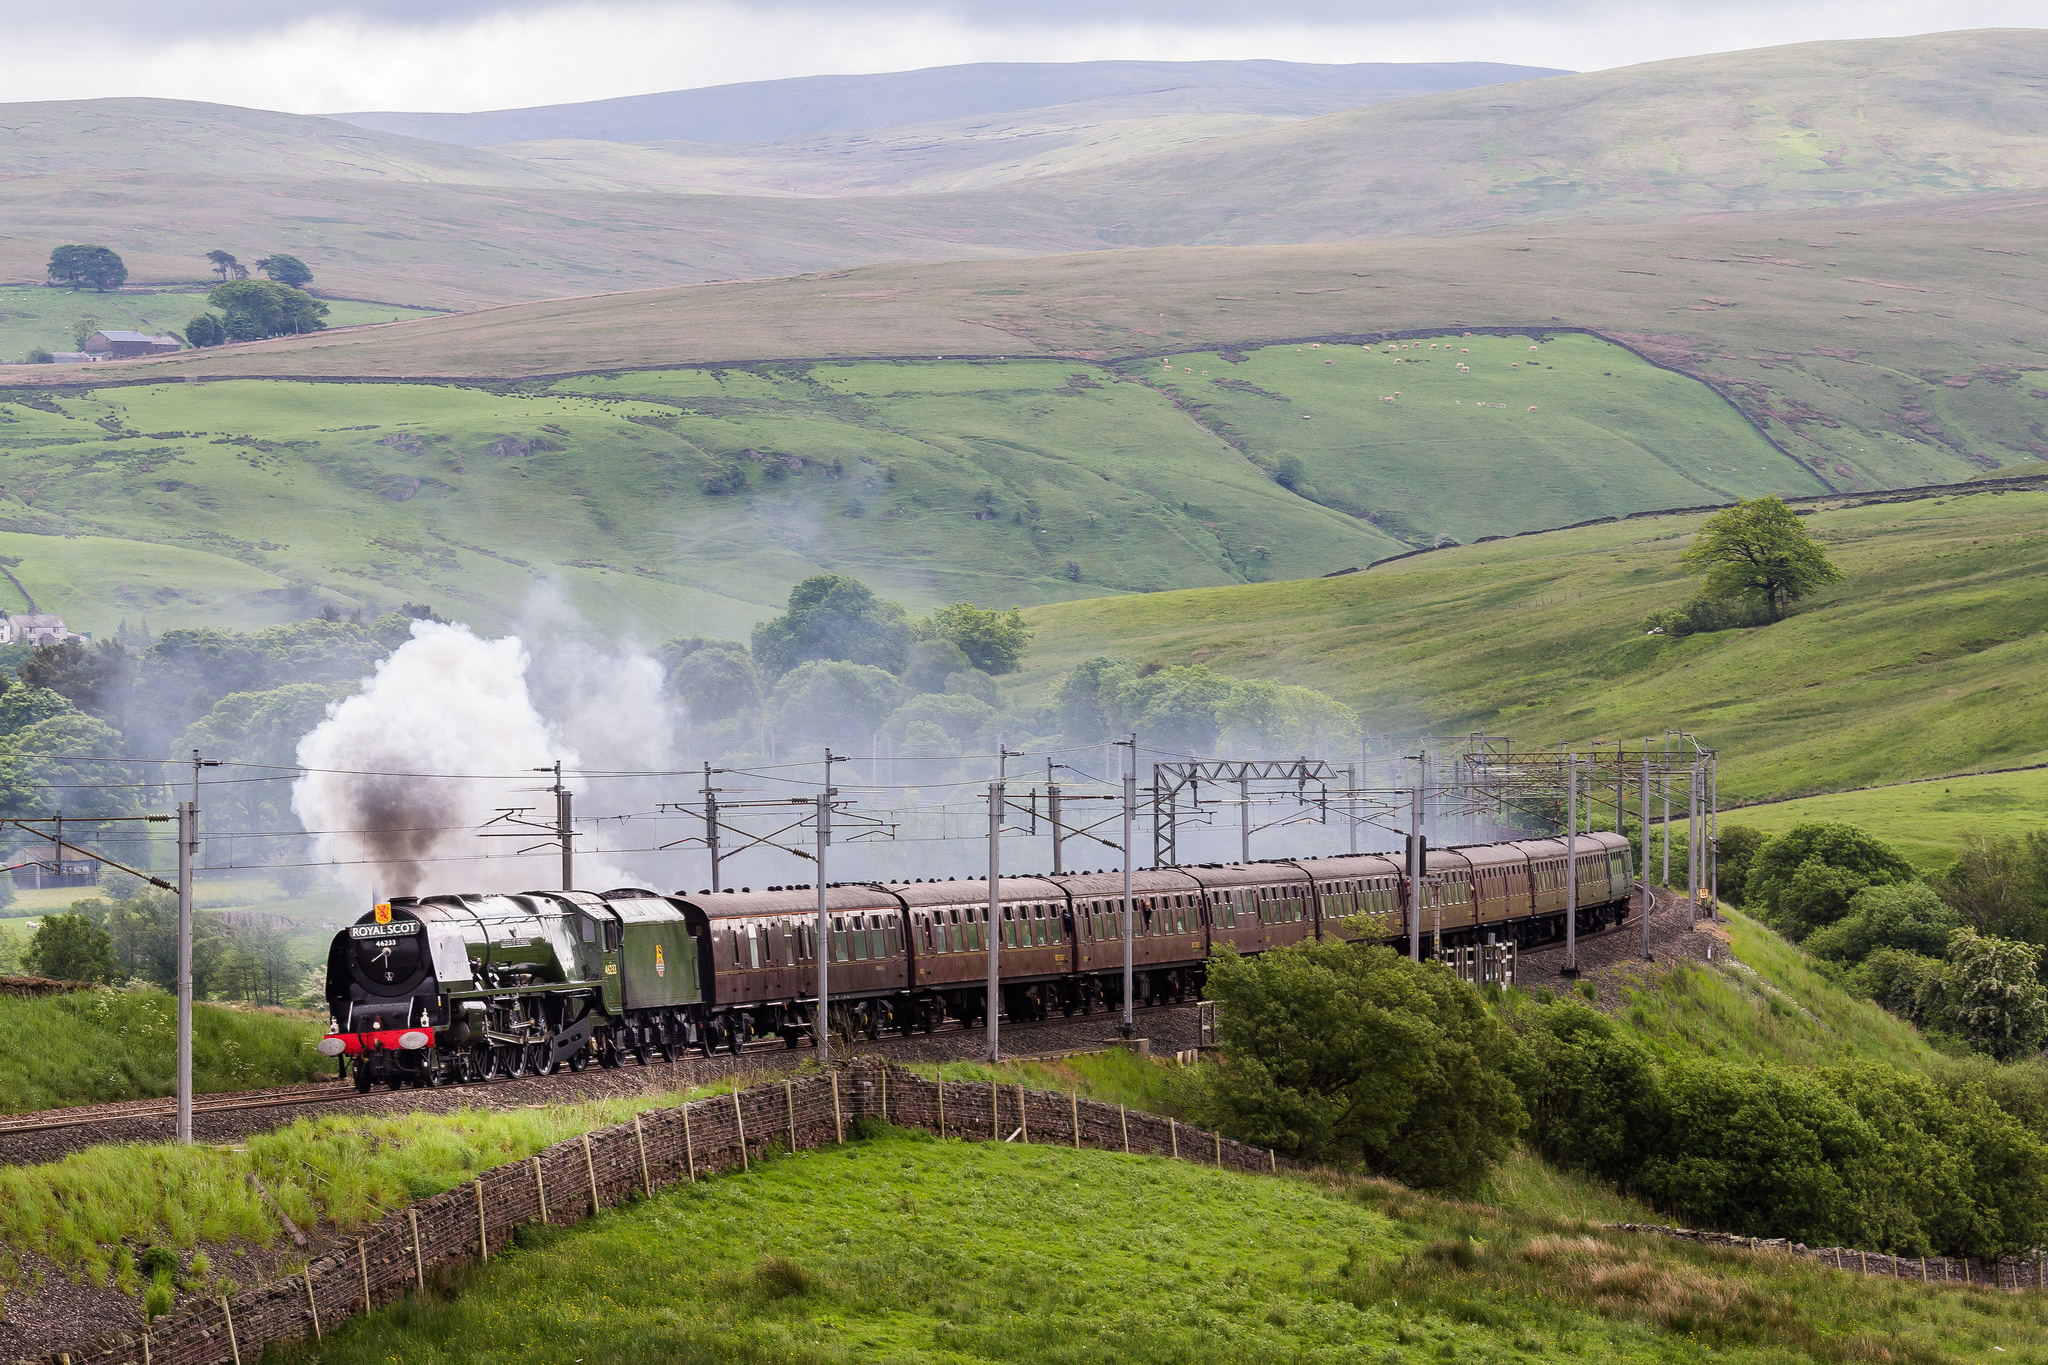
(405, 926)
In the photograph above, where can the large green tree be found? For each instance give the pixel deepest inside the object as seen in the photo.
(833, 617)
(1807, 876)
(70, 947)
(287, 270)
(254, 309)
(1758, 551)
(993, 641)
(1340, 1051)
(87, 267)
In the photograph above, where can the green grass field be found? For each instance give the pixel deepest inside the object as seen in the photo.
(1928, 659)
(1450, 416)
(1926, 820)
(1000, 482)
(31, 315)
(907, 1248)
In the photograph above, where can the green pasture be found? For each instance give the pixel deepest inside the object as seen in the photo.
(901, 1247)
(1468, 436)
(1929, 658)
(32, 315)
(998, 482)
(1925, 820)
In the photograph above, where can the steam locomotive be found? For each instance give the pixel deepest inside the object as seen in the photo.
(440, 989)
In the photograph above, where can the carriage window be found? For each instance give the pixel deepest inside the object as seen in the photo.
(892, 935)
(1039, 928)
(859, 936)
(839, 953)
(589, 928)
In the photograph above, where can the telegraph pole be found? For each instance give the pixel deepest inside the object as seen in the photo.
(188, 841)
(822, 1028)
(710, 795)
(1129, 1028)
(1415, 866)
(1646, 848)
(1571, 869)
(1052, 810)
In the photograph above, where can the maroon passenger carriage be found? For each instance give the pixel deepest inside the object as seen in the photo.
(910, 956)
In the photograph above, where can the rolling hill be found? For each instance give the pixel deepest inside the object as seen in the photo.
(1943, 118)
(1928, 659)
(688, 500)
(1882, 347)
(808, 106)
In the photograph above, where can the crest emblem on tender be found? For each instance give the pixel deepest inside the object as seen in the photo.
(660, 966)
(384, 913)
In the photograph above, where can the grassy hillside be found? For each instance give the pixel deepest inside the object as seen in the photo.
(1886, 347)
(1418, 436)
(1928, 659)
(907, 1249)
(1002, 482)
(32, 315)
(1924, 820)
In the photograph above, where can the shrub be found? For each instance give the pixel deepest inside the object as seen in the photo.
(1805, 877)
(1594, 1095)
(1343, 1052)
(205, 330)
(1701, 616)
(70, 947)
(1992, 994)
(778, 1277)
(1907, 984)
(727, 478)
(40, 355)
(2000, 885)
(1903, 915)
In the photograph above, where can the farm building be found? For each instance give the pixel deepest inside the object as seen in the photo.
(119, 345)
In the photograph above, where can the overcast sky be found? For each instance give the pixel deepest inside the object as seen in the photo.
(320, 56)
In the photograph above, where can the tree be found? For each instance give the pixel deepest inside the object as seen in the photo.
(715, 678)
(94, 266)
(286, 270)
(224, 263)
(2000, 885)
(206, 330)
(91, 677)
(833, 616)
(1340, 1051)
(254, 309)
(82, 329)
(1905, 915)
(70, 947)
(1088, 702)
(1734, 852)
(826, 700)
(993, 641)
(1992, 995)
(1594, 1094)
(1758, 550)
(1805, 877)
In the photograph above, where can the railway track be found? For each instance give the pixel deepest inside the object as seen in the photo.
(53, 1133)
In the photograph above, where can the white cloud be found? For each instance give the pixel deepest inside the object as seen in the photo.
(515, 54)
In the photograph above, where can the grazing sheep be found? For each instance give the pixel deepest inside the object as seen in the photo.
(1532, 407)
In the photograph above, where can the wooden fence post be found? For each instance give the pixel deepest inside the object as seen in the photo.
(640, 1141)
(312, 1304)
(419, 1264)
(941, 1084)
(590, 1165)
(1219, 1150)
(789, 1103)
(1272, 1161)
(689, 1148)
(483, 1241)
(234, 1349)
(1074, 1116)
(995, 1113)
(838, 1124)
(363, 1255)
(885, 1094)
(1123, 1118)
(740, 1119)
(1023, 1120)
(1173, 1134)
(540, 1187)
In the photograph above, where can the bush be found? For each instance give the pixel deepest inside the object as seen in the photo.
(206, 330)
(70, 947)
(1703, 615)
(2000, 885)
(1992, 994)
(1907, 984)
(1903, 915)
(1343, 1052)
(1805, 877)
(39, 355)
(1736, 853)
(1594, 1096)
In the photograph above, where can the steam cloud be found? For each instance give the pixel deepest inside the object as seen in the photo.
(446, 702)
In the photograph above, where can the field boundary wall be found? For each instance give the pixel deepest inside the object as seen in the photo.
(579, 1177)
